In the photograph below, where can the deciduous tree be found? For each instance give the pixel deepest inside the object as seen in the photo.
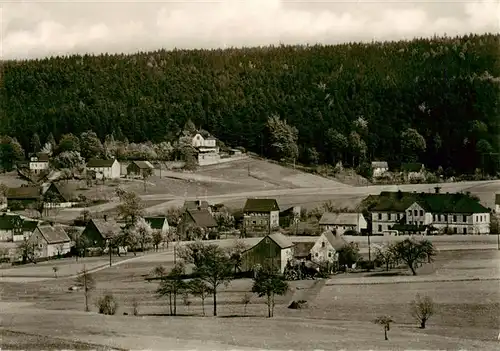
(422, 308)
(413, 252)
(283, 138)
(268, 282)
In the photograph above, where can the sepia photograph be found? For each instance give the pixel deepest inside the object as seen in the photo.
(285, 175)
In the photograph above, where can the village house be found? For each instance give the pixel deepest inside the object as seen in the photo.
(260, 216)
(98, 231)
(343, 222)
(58, 196)
(289, 217)
(108, 169)
(412, 171)
(196, 219)
(14, 228)
(326, 247)
(274, 250)
(379, 168)
(158, 223)
(51, 241)
(207, 151)
(137, 169)
(38, 162)
(413, 213)
(23, 196)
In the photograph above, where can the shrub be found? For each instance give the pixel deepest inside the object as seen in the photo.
(107, 305)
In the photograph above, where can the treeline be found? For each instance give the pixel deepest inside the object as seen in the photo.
(433, 100)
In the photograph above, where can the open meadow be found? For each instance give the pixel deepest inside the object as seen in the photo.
(463, 284)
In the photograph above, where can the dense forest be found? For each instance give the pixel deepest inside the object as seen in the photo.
(434, 100)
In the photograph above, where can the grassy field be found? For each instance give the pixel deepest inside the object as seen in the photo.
(467, 311)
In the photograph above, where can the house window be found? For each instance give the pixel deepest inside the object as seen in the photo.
(316, 254)
(330, 254)
(380, 216)
(421, 212)
(455, 230)
(254, 222)
(454, 218)
(409, 213)
(415, 212)
(465, 218)
(465, 230)
(323, 244)
(379, 228)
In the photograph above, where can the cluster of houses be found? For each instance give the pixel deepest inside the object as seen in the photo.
(410, 171)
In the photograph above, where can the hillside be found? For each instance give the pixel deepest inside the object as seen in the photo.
(431, 99)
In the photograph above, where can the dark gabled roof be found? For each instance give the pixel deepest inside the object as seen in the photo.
(337, 241)
(194, 204)
(7, 222)
(302, 249)
(432, 202)
(202, 218)
(62, 190)
(412, 167)
(41, 156)
(54, 235)
(497, 199)
(106, 227)
(142, 164)
(261, 205)
(24, 192)
(281, 240)
(155, 222)
(98, 163)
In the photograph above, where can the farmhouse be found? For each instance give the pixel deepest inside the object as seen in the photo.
(98, 231)
(401, 213)
(343, 222)
(58, 196)
(379, 168)
(326, 247)
(14, 228)
(196, 219)
(260, 216)
(24, 195)
(38, 162)
(206, 149)
(158, 223)
(139, 168)
(108, 169)
(274, 250)
(51, 241)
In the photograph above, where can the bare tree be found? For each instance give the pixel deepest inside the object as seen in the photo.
(268, 282)
(246, 300)
(385, 322)
(413, 252)
(199, 288)
(422, 308)
(385, 255)
(172, 285)
(85, 281)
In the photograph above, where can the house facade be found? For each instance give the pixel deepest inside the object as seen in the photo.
(51, 241)
(421, 213)
(137, 169)
(379, 168)
(326, 247)
(58, 196)
(206, 149)
(195, 221)
(13, 228)
(260, 216)
(38, 162)
(108, 169)
(158, 223)
(343, 222)
(274, 250)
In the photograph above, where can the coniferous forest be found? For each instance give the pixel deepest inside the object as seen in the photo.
(433, 100)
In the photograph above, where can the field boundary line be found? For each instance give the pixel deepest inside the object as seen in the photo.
(415, 281)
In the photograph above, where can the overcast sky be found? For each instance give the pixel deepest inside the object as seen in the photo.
(39, 28)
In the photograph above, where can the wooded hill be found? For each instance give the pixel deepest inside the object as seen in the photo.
(356, 102)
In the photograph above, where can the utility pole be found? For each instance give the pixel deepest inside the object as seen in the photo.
(369, 250)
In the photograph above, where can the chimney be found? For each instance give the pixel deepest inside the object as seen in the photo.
(437, 189)
(105, 218)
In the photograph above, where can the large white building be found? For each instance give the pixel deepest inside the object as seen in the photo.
(109, 169)
(39, 162)
(207, 149)
(403, 212)
(343, 222)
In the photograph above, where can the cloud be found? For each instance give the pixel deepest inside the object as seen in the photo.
(38, 29)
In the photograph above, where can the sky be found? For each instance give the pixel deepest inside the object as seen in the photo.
(40, 28)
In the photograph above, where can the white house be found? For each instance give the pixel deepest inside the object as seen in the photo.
(379, 168)
(39, 162)
(51, 241)
(326, 247)
(260, 216)
(158, 223)
(15, 228)
(207, 149)
(109, 169)
(342, 222)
